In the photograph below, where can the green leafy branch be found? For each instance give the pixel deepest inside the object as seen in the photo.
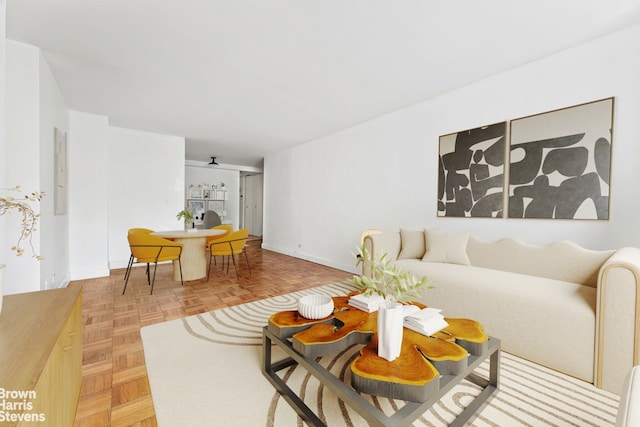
(383, 278)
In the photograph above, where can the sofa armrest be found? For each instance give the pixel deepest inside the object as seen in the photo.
(629, 409)
(389, 242)
(617, 319)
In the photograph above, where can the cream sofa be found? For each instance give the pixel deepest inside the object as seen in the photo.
(565, 307)
(629, 409)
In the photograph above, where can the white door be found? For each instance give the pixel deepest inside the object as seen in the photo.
(253, 204)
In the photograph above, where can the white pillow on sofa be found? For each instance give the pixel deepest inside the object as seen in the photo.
(446, 247)
(411, 244)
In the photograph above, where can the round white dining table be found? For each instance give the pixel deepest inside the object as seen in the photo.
(194, 255)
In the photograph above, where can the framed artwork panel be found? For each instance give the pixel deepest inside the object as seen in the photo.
(471, 172)
(560, 161)
(197, 208)
(60, 172)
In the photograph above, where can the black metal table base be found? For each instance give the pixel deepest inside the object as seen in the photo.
(405, 415)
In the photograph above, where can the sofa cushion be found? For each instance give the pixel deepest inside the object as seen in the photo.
(411, 244)
(560, 260)
(535, 318)
(446, 247)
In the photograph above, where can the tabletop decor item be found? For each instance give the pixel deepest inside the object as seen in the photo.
(30, 218)
(390, 329)
(315, 306)
(186, 217)
(382, 278)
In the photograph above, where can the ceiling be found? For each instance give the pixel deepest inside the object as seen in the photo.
(241, 79)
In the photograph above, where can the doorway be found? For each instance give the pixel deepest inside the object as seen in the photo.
(251, 202)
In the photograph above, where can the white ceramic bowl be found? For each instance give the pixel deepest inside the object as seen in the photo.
(315, 306)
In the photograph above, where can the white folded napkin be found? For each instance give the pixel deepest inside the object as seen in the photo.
(366, 303)
(408, 309)
(427, 321)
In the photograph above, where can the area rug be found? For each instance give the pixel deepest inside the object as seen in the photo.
(205, 370)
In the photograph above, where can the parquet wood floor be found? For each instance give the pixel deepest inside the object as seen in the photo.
(115, 387)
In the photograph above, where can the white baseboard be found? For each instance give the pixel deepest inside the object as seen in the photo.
(89, 274)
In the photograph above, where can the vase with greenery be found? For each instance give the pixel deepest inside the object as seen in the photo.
(187, 217)
(381, 277)
(29, 218)
(29, 221)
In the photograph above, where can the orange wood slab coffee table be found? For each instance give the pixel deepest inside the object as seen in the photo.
(428, 367)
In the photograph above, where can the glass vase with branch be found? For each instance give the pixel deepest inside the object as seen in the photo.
(22, 205)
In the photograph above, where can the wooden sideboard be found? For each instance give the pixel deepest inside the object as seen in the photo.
(41, 357)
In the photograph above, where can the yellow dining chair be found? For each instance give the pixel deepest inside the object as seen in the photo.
(143, 231)
(229, 246)
(226, 227)
(139, 230)
(148, 249)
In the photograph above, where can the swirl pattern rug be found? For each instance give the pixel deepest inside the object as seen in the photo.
(205, 370)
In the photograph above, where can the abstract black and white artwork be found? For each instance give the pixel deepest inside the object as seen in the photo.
(471, 172)
(559, 163)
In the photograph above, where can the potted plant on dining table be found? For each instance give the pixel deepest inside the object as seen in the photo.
(187, 217)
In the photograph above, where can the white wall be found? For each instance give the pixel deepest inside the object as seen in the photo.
(34, 107)
(117, 179)
(195, 175)
(4, 220)
(146, 186)
(88, 156)
(54, 229)
(383, 173)
(282, 221)
(22, 157)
